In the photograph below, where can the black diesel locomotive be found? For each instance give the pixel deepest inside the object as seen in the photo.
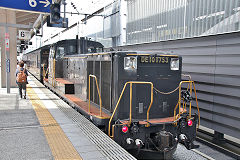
(138, 98)
(36, 60)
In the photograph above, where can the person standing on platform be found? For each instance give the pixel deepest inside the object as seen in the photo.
(21, 79)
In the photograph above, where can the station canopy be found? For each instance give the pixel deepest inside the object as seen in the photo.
(26, 18)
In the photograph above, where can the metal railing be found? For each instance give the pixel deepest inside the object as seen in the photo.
(43, 71)
(89, 93)
(53, 72)
(191, 86)
(130, 112)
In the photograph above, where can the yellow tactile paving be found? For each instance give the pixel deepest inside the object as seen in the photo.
(60, 145)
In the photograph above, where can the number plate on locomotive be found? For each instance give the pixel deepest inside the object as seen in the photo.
(153, 59)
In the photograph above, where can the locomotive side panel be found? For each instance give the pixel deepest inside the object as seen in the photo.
(106, 84)
(120, 77)
(80, 80)
(100, 66)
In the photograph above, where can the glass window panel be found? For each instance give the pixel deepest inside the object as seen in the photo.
(208, 17)
(191, 6)
(216, 19)
(141, 35)
(161, 28)
(211, 19)
(148, 22)
(226, 16)
(159, 3)
(188, 19)
(170, 18)
(221, 17)
(203, 17)
(164, 20)
(236, 10)
(196, 9)
(174, 18)
(231, 16)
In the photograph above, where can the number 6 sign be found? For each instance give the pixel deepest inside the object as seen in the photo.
(23, 34)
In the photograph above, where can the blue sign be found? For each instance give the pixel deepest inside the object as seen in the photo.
(29, 5)
(8, 65)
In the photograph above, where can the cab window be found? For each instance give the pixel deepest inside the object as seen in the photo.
(60, 52)
(72, 50)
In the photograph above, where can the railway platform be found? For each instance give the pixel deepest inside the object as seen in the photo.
(44, 127)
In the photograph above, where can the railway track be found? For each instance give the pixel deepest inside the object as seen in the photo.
(225, 146)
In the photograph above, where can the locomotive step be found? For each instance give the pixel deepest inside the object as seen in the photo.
(83, 105)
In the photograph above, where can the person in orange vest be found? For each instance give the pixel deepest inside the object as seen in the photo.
(21, 79)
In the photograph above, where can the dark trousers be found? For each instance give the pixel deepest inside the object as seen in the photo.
(22, 86)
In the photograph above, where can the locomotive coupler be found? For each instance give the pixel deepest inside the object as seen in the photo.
(129, 140)
(188, 131)
(139, 142)
(188, 144)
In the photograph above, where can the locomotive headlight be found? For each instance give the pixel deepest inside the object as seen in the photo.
(130, 63)
(174, 65)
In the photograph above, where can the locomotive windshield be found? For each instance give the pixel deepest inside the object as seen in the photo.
(72, 50)
(65, 50)
(60, 52)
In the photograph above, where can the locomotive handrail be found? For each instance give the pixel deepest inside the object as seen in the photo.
(89, 93)
(53, 73)
(44, 74)
(191, 83)
(187, 75)
(130, 112)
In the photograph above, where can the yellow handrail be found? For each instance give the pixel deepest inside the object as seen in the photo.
(89, 93)
(54, 65)
(44, 74)
(197, 104)
(130, 114)
(53, 72)
(191, 83)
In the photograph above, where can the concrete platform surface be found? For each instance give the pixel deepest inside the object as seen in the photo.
(21, 136)
(45, 127)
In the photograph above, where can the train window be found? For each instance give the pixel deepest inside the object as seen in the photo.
(99, 50)
(72, 50)
(91, 50)
(60, 52)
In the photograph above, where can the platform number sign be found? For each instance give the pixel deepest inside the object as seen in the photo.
(8, 65)
(28, 5)
(23, 34)
(33, 3)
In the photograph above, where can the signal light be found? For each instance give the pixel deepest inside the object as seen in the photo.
(55, 13)
(190, 122)
(124, 129)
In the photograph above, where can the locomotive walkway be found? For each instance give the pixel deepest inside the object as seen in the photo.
(45, 127)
